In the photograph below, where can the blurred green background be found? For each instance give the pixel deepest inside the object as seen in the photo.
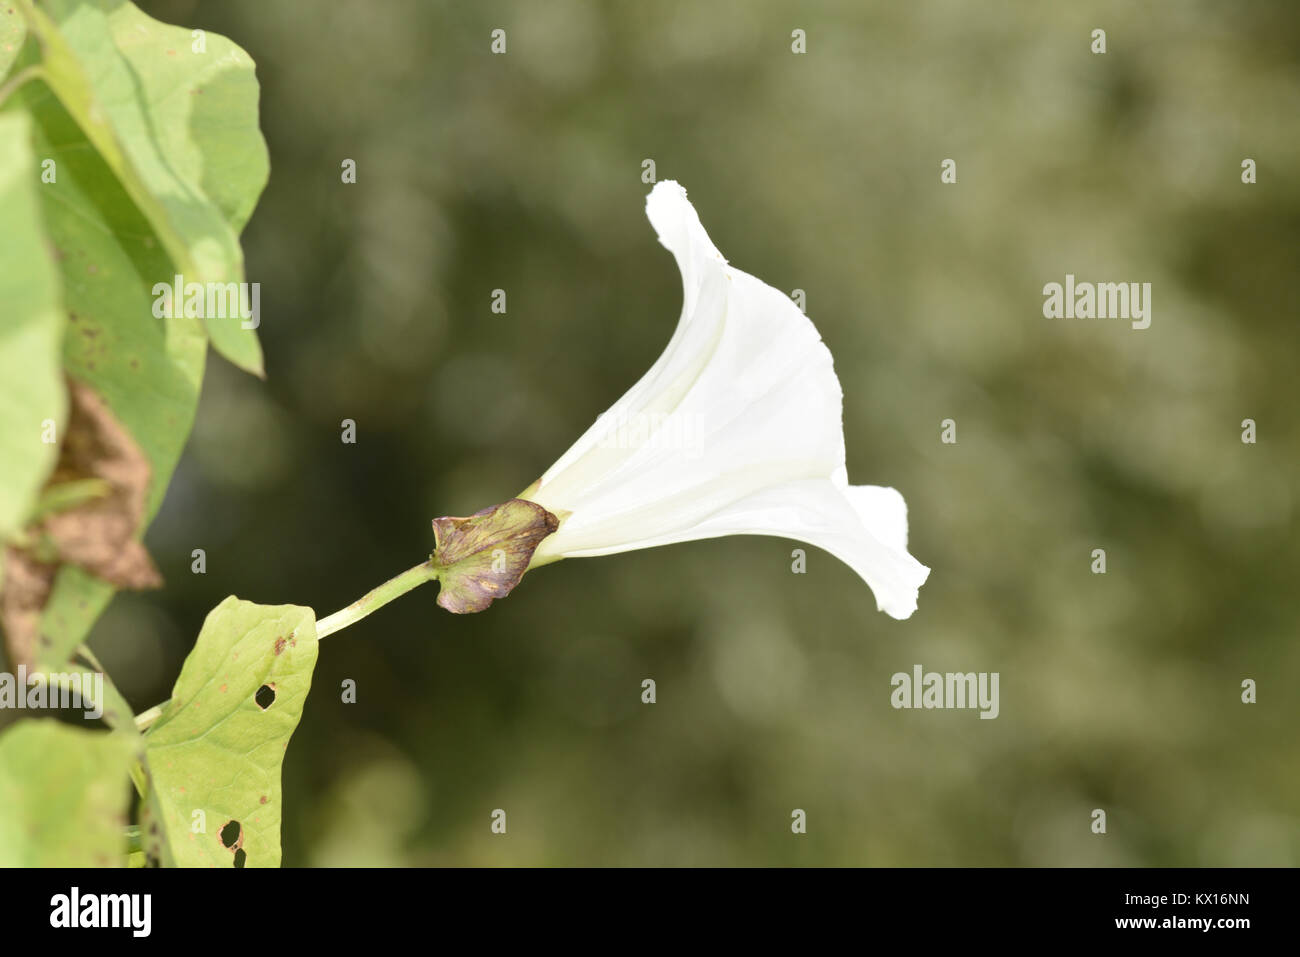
(818, 171)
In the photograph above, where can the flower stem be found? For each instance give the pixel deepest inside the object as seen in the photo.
(376, 598)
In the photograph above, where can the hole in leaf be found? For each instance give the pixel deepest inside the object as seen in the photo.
(231, 833)
(240, 857)
(265, 696)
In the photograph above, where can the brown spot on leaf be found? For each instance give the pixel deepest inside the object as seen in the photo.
(279, 645)
(27, 584)
(100, 534)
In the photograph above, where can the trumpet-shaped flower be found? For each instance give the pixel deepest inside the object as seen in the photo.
(737, 429)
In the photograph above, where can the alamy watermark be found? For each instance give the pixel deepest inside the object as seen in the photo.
(40, 690)
(133, 912)
(1102, 300)
(212, 300)
(931, 689)
(653, 430)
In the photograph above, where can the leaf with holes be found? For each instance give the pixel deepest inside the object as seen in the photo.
(214, 755)
(63, 796)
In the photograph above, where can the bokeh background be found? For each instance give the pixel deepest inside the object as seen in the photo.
(818, 171)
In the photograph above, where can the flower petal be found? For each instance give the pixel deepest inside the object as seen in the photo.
(863, 526)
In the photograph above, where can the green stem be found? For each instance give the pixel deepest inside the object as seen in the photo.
(18, 79)
(376, 598)
(146, 718)
(91, 660)
(139, 778)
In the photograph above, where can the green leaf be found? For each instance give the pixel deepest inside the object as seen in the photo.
(76, 601)
(31, 331)
(219, 744)
(63, 796)
(178, 128)
(13, 31)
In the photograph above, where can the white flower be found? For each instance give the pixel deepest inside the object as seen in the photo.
(736, 430)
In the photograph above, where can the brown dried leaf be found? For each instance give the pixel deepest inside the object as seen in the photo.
(26, 586)
(98, 534)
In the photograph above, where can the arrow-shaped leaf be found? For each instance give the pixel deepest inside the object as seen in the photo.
(214, 755)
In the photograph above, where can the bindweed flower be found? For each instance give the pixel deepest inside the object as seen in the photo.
(737, 429)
